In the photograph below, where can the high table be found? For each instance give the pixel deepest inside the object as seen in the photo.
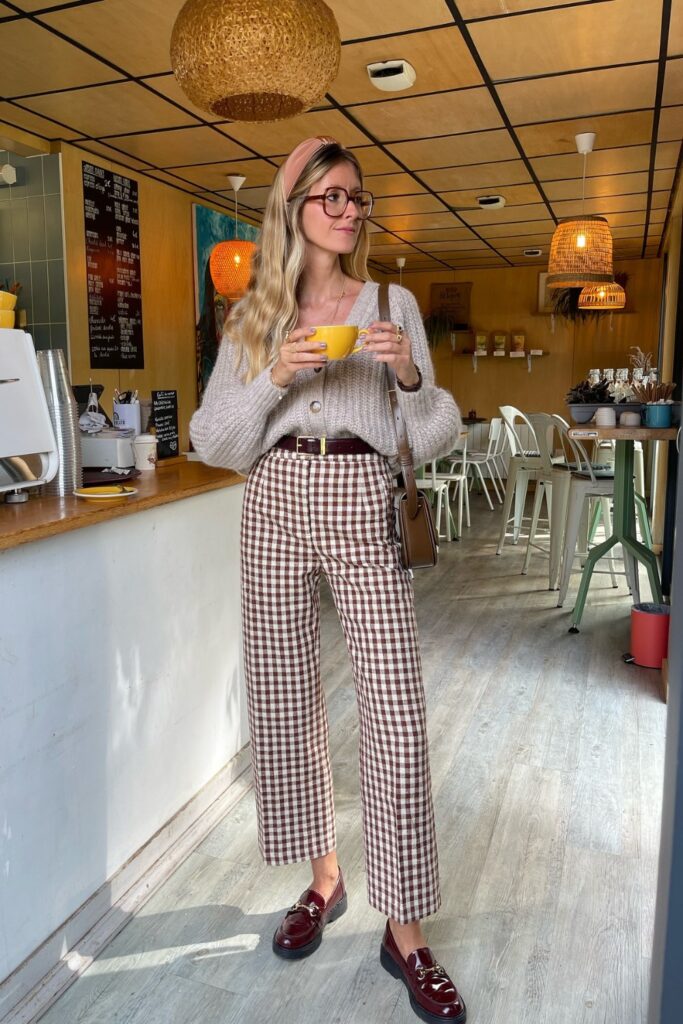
(624, 520)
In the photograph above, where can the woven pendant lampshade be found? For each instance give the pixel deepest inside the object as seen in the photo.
(230, 265)
(255, 60)
(603, 296)
(230, 262)
(580, 253)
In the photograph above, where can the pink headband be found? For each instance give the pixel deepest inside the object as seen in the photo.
(299, 157)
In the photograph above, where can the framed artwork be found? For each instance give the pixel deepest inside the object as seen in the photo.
(208, 228)
(481, 343)
(452, 298)
(518, 342)
(545, 295)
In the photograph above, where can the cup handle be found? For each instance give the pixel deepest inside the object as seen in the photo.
(359, 344)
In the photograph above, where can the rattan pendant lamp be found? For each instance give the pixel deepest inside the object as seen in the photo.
(603, 296)
(230, 262)
(255, 60)
(581, 248)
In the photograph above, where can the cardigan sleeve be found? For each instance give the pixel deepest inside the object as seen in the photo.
(229, 427)
(432, 417)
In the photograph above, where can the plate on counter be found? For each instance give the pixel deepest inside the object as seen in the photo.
(105, 492)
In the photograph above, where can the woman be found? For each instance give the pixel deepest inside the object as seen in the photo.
(318, 445)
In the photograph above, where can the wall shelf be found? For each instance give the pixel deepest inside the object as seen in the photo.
(521, 357)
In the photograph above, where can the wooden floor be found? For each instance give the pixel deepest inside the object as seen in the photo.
(547, 760)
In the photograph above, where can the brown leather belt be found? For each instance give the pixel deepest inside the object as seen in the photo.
(324, 445)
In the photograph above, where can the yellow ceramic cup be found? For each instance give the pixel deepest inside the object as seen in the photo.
(342, 339)
(6, 318)
(8, 300)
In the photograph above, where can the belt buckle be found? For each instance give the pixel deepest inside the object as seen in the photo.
(303, 437)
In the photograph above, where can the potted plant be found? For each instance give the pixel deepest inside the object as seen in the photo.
(441, 325)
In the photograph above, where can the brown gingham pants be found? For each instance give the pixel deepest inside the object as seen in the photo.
(304, 515)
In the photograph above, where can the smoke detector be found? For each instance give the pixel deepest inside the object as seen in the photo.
(531, 252)
(491, 202)
(8, 174)
(391, 75)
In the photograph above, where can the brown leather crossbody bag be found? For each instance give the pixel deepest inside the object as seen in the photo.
(413, 513)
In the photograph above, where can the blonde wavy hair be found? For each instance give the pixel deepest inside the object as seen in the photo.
(259, 321)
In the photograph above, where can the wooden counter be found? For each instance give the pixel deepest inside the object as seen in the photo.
(44, 517)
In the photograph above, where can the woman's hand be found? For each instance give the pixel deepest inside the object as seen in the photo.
(298, 353)
(390, 345)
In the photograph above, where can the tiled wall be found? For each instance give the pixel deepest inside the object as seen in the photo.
(31, 249)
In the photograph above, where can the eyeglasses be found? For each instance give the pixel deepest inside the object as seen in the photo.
(335, 201)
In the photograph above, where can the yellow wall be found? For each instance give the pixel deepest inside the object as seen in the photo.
(168, 305)
(507, 300)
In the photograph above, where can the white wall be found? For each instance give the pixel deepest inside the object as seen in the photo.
(121, 695)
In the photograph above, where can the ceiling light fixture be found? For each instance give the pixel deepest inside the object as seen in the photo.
(581, 247)
(391, 75)
(603, 296)
(400, 263)
(255, 61)
(531, 252)
(230, 262)
(491, 202)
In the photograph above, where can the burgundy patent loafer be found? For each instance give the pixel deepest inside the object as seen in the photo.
(433, 996)
(301, 930)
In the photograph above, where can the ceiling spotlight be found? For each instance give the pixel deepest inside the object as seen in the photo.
(391, 75)
(531, 252)
(8, 174)
(491, 202)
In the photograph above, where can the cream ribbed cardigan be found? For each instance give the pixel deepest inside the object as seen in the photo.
(238, 422)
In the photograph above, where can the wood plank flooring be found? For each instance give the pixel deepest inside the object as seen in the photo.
(547, 760)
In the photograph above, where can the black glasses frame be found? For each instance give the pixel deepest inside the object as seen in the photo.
(349, 199)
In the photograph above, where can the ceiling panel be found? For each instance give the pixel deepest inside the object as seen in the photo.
(396, 205)
(599, 162)
(416, 221)
(477, 176)
(670, 124)
(392, 184)
(612, 131)
(374, 160)
(500, 8)
(587, 93)
(134, 35)
(490, 231)
(215, 175)
(509, 214)
(557, 40)
(110, 110)
(515, 195)
(102, 150)
(170, 149)
(421, 116)
(280, 137)
(358, 19)
(577, 67)
(606, 185)
(167, 85)
(609, 204)
(38, 5)
(30, 122)
(33, 60)
(441, 60)
(455, 150)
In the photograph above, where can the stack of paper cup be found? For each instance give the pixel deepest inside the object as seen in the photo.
(64, 415)
(145, 452)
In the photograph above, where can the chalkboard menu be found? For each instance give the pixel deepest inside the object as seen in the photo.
(165, 416)
(112, 249)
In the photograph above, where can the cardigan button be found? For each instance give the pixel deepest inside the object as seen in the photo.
(315, 406)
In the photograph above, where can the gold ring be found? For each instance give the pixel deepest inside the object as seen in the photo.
(399, 334)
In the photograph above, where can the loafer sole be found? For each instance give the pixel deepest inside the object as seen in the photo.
(390, 965)
(298, 953)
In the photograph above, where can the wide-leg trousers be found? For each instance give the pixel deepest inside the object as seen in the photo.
(304, 515)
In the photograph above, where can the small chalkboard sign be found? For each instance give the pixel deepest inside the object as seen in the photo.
(165, 417)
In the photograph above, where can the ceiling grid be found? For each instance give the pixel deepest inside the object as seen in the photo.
(501, 90)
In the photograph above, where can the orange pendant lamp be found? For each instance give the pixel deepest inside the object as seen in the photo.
(230, 262)
(581, 247)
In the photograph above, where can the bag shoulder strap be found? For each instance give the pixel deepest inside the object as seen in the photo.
(404, 453)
